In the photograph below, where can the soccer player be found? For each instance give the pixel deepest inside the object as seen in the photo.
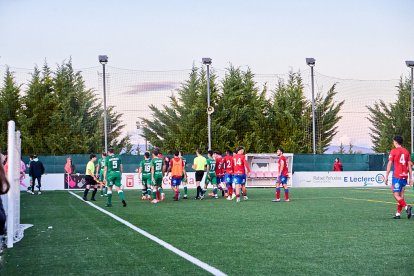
(157, 172)
(400, 158)
(211, 173)
(100, 168)
(90, 178)
(184, 179)
(199, 165)
(283, 176)
(228, 175)
(112, 176)
(177, 170)
(220, 173)
(144, 172)
(239, 177)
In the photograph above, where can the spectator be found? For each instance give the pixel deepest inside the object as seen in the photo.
(36, 171)
(69, 166)
(337, 167)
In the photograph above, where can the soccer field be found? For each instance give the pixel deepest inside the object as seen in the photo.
(320, 232)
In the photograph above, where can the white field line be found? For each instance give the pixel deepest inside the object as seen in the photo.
(173, 249)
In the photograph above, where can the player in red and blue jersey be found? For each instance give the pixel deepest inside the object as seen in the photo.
(239, 177)
(282, 176)
(228, 173)
(220, 172)
(400, 159)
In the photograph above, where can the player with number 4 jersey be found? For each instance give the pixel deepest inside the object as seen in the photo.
(400, 159)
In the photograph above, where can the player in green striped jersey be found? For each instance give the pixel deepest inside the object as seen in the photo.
(157, 173)
(144, 171)
(100, 169)
(211, 173)
(184, 180)
(113, 176)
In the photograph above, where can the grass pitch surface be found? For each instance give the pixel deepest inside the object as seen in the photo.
(320, 232)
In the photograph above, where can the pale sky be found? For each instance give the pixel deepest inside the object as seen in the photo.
(353, 39)
(350, 40)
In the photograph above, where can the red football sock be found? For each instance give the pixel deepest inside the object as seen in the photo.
(230, 191)
(286, 194)
(277, 194)
(402, 203)
(399, 208)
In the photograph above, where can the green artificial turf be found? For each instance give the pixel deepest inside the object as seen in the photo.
(320, 232)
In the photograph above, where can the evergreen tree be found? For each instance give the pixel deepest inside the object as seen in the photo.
(392, 119)
(10, 105)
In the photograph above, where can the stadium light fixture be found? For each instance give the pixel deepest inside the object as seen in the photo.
(103, 59)
(410, 64)
(311, 63)
(207, 62)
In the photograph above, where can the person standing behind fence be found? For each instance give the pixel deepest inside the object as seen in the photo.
(337, 167)
(282, 176)
(400, 158)
(36, 170)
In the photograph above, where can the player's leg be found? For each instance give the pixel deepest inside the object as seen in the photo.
(277, 192)
(118, 187)
(144, 189)
(184, 182)
(85, 192)
(398, 187)
(285, 187)
(95, 190)
(39, 184)
(159, 187)
(109, 185)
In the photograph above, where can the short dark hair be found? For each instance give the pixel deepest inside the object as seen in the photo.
(229, 151)
(199, 151)
(147, 154)
(210, 152)
(104, 153)
(111, 150)
(156, 152)
(281, 149)
(398, 139)
(176, 153)
(92, 155)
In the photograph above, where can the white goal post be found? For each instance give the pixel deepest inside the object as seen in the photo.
(11, 201)
(264, 169)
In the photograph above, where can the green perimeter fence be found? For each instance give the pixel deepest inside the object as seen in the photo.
(301, 162)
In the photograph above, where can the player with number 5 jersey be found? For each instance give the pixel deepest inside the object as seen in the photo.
(400, 159)
(113, 175)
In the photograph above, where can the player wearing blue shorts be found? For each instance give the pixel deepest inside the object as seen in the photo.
(399, 158)
(283, 176)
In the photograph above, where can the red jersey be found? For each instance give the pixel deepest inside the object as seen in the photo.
(228, 163)
(337, 167)
(400, 158)
(220, 166)
(240, 164)
(282, 160)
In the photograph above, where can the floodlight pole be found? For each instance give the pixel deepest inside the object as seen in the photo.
(103, 60)
(412, 122)
(311, 63)
(207, 62)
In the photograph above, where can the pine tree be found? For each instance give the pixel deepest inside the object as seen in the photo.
(392, 119)
(10, 105)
